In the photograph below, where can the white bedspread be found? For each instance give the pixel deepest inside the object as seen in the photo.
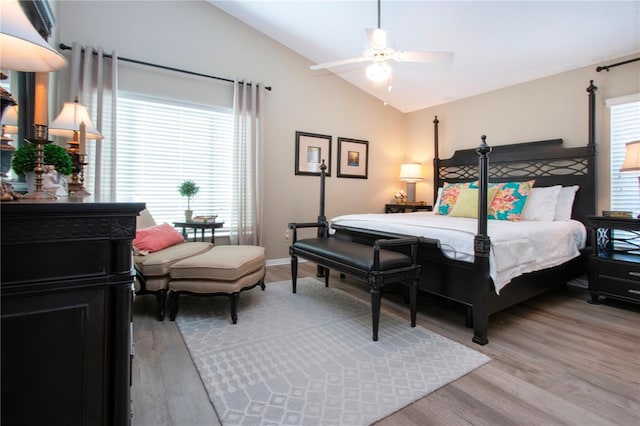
(516, 247)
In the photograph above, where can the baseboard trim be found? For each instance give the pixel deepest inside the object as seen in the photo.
(282, 261)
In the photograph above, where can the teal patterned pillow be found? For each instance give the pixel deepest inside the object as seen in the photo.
(510, 200)
(450, 192)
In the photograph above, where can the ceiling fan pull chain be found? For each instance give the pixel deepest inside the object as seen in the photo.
(379, 15)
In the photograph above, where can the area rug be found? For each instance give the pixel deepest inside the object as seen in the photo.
(308, 358)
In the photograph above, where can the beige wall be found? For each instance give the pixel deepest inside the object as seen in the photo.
(199, 37)
(548, 108)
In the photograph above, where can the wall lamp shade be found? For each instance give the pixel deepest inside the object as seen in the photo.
(22, 48)
(411, 172)
(67, 123)
(631, 157)
(379, 72)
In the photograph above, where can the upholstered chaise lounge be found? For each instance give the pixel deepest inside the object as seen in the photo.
(166, 263)
(152, 269)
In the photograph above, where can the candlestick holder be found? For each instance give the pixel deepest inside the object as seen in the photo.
(76, 186)
(41, 139)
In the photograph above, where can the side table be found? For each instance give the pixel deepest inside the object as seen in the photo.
(614, 264)
(202, 226)
(406, 208)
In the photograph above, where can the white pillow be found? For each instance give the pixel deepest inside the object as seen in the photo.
(541, 203)
(565, 202)
(437, 205)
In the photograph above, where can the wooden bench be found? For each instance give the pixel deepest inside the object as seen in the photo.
(374, 265)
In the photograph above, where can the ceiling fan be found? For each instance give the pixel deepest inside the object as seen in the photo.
(379, 53)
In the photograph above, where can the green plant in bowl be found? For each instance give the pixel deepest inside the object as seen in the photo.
(24, 159)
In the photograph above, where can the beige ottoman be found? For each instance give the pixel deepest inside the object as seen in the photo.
(223, 270)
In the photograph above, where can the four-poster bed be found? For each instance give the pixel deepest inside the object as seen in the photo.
(471, 281)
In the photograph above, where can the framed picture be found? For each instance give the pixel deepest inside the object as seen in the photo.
(353, 158)
(311, 149)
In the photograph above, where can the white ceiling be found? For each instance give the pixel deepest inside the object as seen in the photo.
(496, 43)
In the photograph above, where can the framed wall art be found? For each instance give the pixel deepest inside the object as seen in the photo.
(353, 158)
(311, 149)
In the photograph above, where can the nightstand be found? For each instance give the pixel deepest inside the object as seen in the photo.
(406, 208)
(614, 264)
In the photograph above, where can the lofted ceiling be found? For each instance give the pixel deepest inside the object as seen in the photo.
(496, 43)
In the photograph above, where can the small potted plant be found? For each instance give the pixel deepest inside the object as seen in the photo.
(188, 188)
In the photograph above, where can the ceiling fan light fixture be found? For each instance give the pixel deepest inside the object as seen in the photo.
(379, 72)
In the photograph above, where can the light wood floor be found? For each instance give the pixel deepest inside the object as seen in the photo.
(556, 360)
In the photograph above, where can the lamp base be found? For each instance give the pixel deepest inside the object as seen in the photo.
(411, 192)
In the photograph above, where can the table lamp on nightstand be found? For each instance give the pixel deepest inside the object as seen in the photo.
(632, 160)
(411, 173)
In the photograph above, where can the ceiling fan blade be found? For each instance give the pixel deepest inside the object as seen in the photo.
(341, 62)
(377, 38)
(423, 56)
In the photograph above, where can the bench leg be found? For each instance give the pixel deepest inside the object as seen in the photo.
(326, 277)
(173, 305)
(413, 301)
(294, 272)
(375, 311)
(233, 302)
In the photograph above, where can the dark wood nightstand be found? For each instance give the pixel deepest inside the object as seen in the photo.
(406, 208)
(614, 264)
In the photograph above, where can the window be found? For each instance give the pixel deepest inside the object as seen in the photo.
(160, 143)
(625, 127)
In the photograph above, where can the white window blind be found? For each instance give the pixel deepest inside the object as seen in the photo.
(625, 127)
(161, 143)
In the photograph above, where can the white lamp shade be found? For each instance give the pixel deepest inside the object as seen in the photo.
(632, 157)
(68, 122)
(411, 172)
(10, 120)
(379, 72)
(21, 47)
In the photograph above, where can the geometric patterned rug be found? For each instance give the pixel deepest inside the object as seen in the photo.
(308, 358)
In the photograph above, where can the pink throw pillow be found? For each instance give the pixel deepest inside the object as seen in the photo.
(157, 238)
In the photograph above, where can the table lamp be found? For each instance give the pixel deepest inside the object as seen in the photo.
(411, 173)
(9, 127)
(22, 48)
(74, 121)
(632, 160)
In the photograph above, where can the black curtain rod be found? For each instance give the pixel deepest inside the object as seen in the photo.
(149, 64)
(606, 67)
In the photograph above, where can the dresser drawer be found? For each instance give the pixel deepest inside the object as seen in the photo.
(624, 270)
(621, 288)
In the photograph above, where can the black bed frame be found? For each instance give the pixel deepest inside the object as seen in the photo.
(549, 163)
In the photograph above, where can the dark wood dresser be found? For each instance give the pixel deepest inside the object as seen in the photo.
(614, 265)
(65, 291)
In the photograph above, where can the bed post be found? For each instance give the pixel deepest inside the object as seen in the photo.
(592, 112)
(436, 164)
(322, 232)
(322, 219)
(481, 247)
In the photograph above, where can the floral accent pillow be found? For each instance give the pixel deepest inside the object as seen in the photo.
(510, 200)
(450, 192)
